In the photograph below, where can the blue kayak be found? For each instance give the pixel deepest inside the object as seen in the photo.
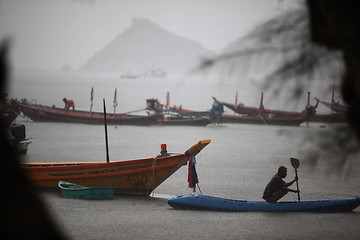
(203, 202)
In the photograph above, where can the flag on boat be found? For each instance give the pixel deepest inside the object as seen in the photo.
(192, 175)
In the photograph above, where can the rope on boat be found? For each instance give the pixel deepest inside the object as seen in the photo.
(153, 175)
(136, 111)
(261, 117)
(199, 189)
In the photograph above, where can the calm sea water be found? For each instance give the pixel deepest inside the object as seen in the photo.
(237, 164)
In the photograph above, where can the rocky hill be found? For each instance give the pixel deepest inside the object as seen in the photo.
(146, 45)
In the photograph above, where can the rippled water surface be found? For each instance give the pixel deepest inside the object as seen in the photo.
(238, 163)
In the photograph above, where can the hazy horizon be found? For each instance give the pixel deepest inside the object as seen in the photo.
(46, 34)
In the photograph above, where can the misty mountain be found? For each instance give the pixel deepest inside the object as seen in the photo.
(146, 45)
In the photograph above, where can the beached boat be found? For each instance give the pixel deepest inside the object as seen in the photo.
(71, 190)
(41, 113)
(139, 176)
(203, 202)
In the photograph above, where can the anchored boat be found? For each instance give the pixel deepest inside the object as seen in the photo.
(42, 113)
(203, 202)
(139, 176)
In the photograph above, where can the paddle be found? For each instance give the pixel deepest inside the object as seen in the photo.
(296, 163)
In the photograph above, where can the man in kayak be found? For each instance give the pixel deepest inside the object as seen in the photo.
(68, 104)
(277, 188)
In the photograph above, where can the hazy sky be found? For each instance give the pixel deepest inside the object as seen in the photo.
(46, 34)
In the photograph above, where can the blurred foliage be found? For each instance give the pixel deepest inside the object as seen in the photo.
(284, 43)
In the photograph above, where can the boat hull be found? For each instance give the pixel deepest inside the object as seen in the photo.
(41, 113)
(252, 119)
(185, 122)
(262, 121)
(203, 202)
(252, 111)
(139, 176)
(336, 107)
(328, 118)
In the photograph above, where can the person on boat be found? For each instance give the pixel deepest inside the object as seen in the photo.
(216, 111)
(277, 187)
(68, 104)
(163, 152)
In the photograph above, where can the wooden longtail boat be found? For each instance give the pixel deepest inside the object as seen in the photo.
(263, 119)
(71, 190)
(203, 202)
(175, 118)
(230, 118)
(335, 105)
(41, 113)
(254, 111)
(187, 112)
(139, 176)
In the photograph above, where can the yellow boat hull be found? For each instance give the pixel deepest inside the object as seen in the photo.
(139, 176)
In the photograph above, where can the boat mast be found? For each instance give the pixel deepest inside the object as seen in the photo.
(115, 100)
(106, 133)
(236, 101)
(261, 107)
(91, 98)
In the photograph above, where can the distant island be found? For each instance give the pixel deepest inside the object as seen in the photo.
(146, 44)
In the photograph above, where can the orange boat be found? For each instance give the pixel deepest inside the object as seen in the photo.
(139, 176)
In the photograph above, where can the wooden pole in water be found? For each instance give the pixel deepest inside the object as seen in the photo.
(106, 134)
(91, 99)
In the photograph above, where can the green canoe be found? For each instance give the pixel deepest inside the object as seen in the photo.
(71, 190)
